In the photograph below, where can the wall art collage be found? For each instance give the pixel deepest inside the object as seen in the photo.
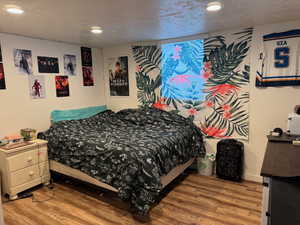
(23, 63)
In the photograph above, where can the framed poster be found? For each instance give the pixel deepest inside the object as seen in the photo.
(70, 65)
(118, 76)
(23, 61)
(48, 64)
(37, 87)
(87, 66)
(62, 86)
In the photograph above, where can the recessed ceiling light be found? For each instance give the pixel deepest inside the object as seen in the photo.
(96, 30)
(214, 6)
(14, 9)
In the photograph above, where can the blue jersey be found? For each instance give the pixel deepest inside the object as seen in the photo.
(280, 61)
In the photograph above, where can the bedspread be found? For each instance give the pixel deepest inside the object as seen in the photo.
(129, 150)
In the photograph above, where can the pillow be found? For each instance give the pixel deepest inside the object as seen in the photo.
(76, 114)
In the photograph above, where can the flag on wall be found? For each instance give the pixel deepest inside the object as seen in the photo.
(87, 66)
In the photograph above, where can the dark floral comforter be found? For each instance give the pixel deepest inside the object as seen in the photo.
(129, 150)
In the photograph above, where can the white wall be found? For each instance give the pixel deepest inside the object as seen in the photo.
(18, 110)
(268, 108)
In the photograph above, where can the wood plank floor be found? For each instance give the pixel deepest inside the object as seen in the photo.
(190, 200)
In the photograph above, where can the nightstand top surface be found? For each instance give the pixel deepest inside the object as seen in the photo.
(30, 146)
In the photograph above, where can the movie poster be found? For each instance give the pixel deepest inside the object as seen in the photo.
(48, 64)
(70, 65)
(23, 61)
(37, 87)
(2, 77)
(62, 86)
(118, 76)
(87, 66)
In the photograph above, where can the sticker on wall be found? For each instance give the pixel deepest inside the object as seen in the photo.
(37, 87)
(62, 86)
(118, 76)
(23, 61)
(48, 64)
(87, 66)
(2, 77)
(70, 65)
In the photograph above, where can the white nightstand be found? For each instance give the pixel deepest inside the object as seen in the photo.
(1, 209)
(24, 167)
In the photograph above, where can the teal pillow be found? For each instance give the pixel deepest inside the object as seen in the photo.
(76, 114)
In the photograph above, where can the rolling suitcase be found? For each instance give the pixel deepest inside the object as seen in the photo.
(229, 159)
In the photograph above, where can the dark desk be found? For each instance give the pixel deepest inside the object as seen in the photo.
(281, 172)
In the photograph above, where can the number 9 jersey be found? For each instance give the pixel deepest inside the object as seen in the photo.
(280, 61)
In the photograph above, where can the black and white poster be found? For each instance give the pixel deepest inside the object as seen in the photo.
(48, 64)
(23, 61)
(70, 65)
(87, 66)
(118, 76)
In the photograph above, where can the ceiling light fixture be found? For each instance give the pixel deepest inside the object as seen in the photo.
(14, 9)
(214, 6)
(96, 30)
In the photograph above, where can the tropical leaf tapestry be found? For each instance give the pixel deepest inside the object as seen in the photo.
(206, 80)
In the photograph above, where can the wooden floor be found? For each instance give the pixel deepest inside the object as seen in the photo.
(190, 200)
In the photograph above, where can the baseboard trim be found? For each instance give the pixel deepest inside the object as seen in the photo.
(255, 178)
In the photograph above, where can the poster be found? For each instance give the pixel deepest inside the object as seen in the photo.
(2, 77)
(118, 76)
(48, 64)
(87, 66)
(70, 65)
(62, 86)
(23, 61)
(37, 87)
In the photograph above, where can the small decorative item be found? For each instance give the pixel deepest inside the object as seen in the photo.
(14, 139)
(28, 134)
(206, 165)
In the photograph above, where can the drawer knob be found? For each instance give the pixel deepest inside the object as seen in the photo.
(29, 159)
(31, 173)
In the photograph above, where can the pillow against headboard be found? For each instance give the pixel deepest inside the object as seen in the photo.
(76, 114)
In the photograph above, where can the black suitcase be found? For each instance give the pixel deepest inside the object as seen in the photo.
(229, 159)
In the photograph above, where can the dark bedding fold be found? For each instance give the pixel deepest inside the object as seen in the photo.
(129, 150)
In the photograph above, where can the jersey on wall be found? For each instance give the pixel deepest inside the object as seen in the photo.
(280, 62)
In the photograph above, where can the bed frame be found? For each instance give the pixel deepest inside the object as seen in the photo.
(74, 173)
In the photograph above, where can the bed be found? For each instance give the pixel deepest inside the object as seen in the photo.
(134, 152)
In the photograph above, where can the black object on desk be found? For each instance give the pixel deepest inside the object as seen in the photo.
(281, 167)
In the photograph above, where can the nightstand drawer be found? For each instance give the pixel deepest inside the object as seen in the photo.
(43, 154)
(22, 160)
(25, 175)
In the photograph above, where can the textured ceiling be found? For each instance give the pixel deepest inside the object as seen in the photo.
(126, 21)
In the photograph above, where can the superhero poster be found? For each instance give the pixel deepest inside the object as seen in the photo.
(62, 86)
(37, 87)
(87, 66)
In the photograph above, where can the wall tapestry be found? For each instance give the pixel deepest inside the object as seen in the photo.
(37, 87)
(48, 64)
(87, 66)
(70, 65)
(205, 80)
(118, 76)
(62, 86)
(2, 77)
(23, 61)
